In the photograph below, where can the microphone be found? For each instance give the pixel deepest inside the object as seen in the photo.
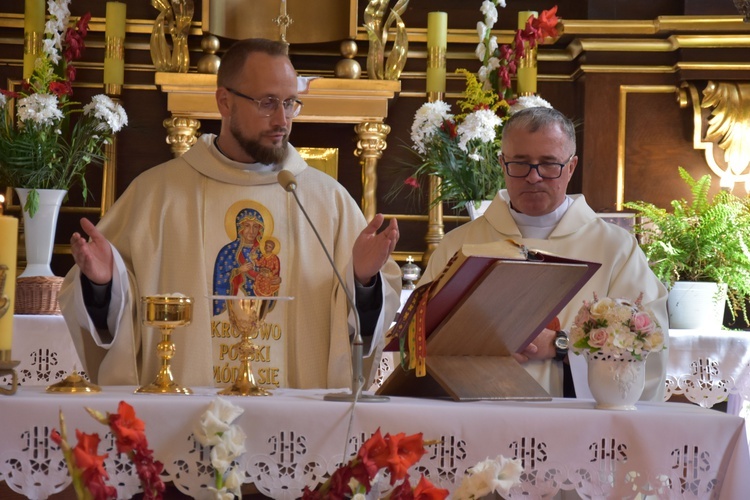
(287, 180)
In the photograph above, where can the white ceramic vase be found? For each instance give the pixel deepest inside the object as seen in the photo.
(39, 231)
(696, 305)
(616, 383)
(476, 209)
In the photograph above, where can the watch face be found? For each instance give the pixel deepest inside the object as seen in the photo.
(561, 343)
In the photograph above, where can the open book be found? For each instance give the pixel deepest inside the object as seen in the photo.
(490, 301)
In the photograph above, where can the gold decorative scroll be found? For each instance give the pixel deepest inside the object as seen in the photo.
(174, 18)
(728, 127)
(377, 33)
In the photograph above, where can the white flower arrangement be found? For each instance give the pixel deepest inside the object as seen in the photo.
(227, 443)
(489, 476)
(616, 327)
(463, 149)
(52, 141)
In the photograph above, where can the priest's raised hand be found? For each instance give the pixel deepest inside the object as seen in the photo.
(372, 249)
(92, 256)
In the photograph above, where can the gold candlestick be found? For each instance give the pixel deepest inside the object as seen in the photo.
(166, 313)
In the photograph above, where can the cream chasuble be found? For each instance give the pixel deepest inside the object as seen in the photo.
(201, 226)
(580, 234)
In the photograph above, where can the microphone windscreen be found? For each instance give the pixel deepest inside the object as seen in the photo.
(287, 180)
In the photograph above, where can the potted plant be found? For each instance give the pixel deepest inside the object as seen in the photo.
(703, 240)
(47, 139)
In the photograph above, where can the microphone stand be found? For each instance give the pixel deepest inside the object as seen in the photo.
(357, 344)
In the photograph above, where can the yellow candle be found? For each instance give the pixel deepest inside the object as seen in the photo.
(437, 42)
(33, 32)
(527, 66)
(114, 51)
(8, 248)
(524, 16)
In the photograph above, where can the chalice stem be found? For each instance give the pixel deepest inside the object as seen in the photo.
(166, 350)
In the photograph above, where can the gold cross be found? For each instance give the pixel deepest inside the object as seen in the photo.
(283, 21)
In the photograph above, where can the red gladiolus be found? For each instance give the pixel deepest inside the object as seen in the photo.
(402, 491)
(450, 128)
(9, 94)
(70, 72)
(547, 23)
(425, 490)
(60, 88)
(83, 23)
(74, 45)
(412, 182)
(404, 451)
(130, 438)
(340, 484)
(128, 429)
(374, 452)
(92, 466)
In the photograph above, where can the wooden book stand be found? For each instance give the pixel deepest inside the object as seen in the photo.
(469, 353)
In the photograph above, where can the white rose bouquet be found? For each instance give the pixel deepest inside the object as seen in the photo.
(616, 326)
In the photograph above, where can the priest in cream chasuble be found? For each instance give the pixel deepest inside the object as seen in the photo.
(204, 225)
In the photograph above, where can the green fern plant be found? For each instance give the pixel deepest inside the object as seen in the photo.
(705, 239)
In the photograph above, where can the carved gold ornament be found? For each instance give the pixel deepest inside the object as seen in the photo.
(174, 19)
(377, 33)
(728, 127)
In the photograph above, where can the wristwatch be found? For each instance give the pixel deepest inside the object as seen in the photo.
(561, 345)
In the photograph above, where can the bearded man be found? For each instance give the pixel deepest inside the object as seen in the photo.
(170, 231)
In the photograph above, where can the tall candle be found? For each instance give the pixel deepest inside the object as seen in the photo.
(8, 249)
(33, 32)
(527, 66)
(437, 42)
(114, 49)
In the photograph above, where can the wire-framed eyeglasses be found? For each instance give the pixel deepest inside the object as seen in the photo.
(547, 170)
(269, 104)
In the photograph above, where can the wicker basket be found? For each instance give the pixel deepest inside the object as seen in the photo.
(38, 295)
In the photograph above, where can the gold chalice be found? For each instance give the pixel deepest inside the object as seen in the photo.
(166, 312)
(247, 315)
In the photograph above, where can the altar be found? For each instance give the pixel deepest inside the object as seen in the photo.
(295, 438)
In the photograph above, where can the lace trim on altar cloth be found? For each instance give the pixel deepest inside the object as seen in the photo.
(38, 470)
(43, 366)
(705, 385)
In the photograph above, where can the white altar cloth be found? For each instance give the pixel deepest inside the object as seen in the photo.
(708, 366)
(44, 348)
(295, 438)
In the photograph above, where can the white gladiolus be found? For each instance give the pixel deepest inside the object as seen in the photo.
(227, 443)
(39, 109)
(489, 10)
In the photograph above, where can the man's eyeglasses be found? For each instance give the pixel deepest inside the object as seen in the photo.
(268, 105)
(522, 169)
